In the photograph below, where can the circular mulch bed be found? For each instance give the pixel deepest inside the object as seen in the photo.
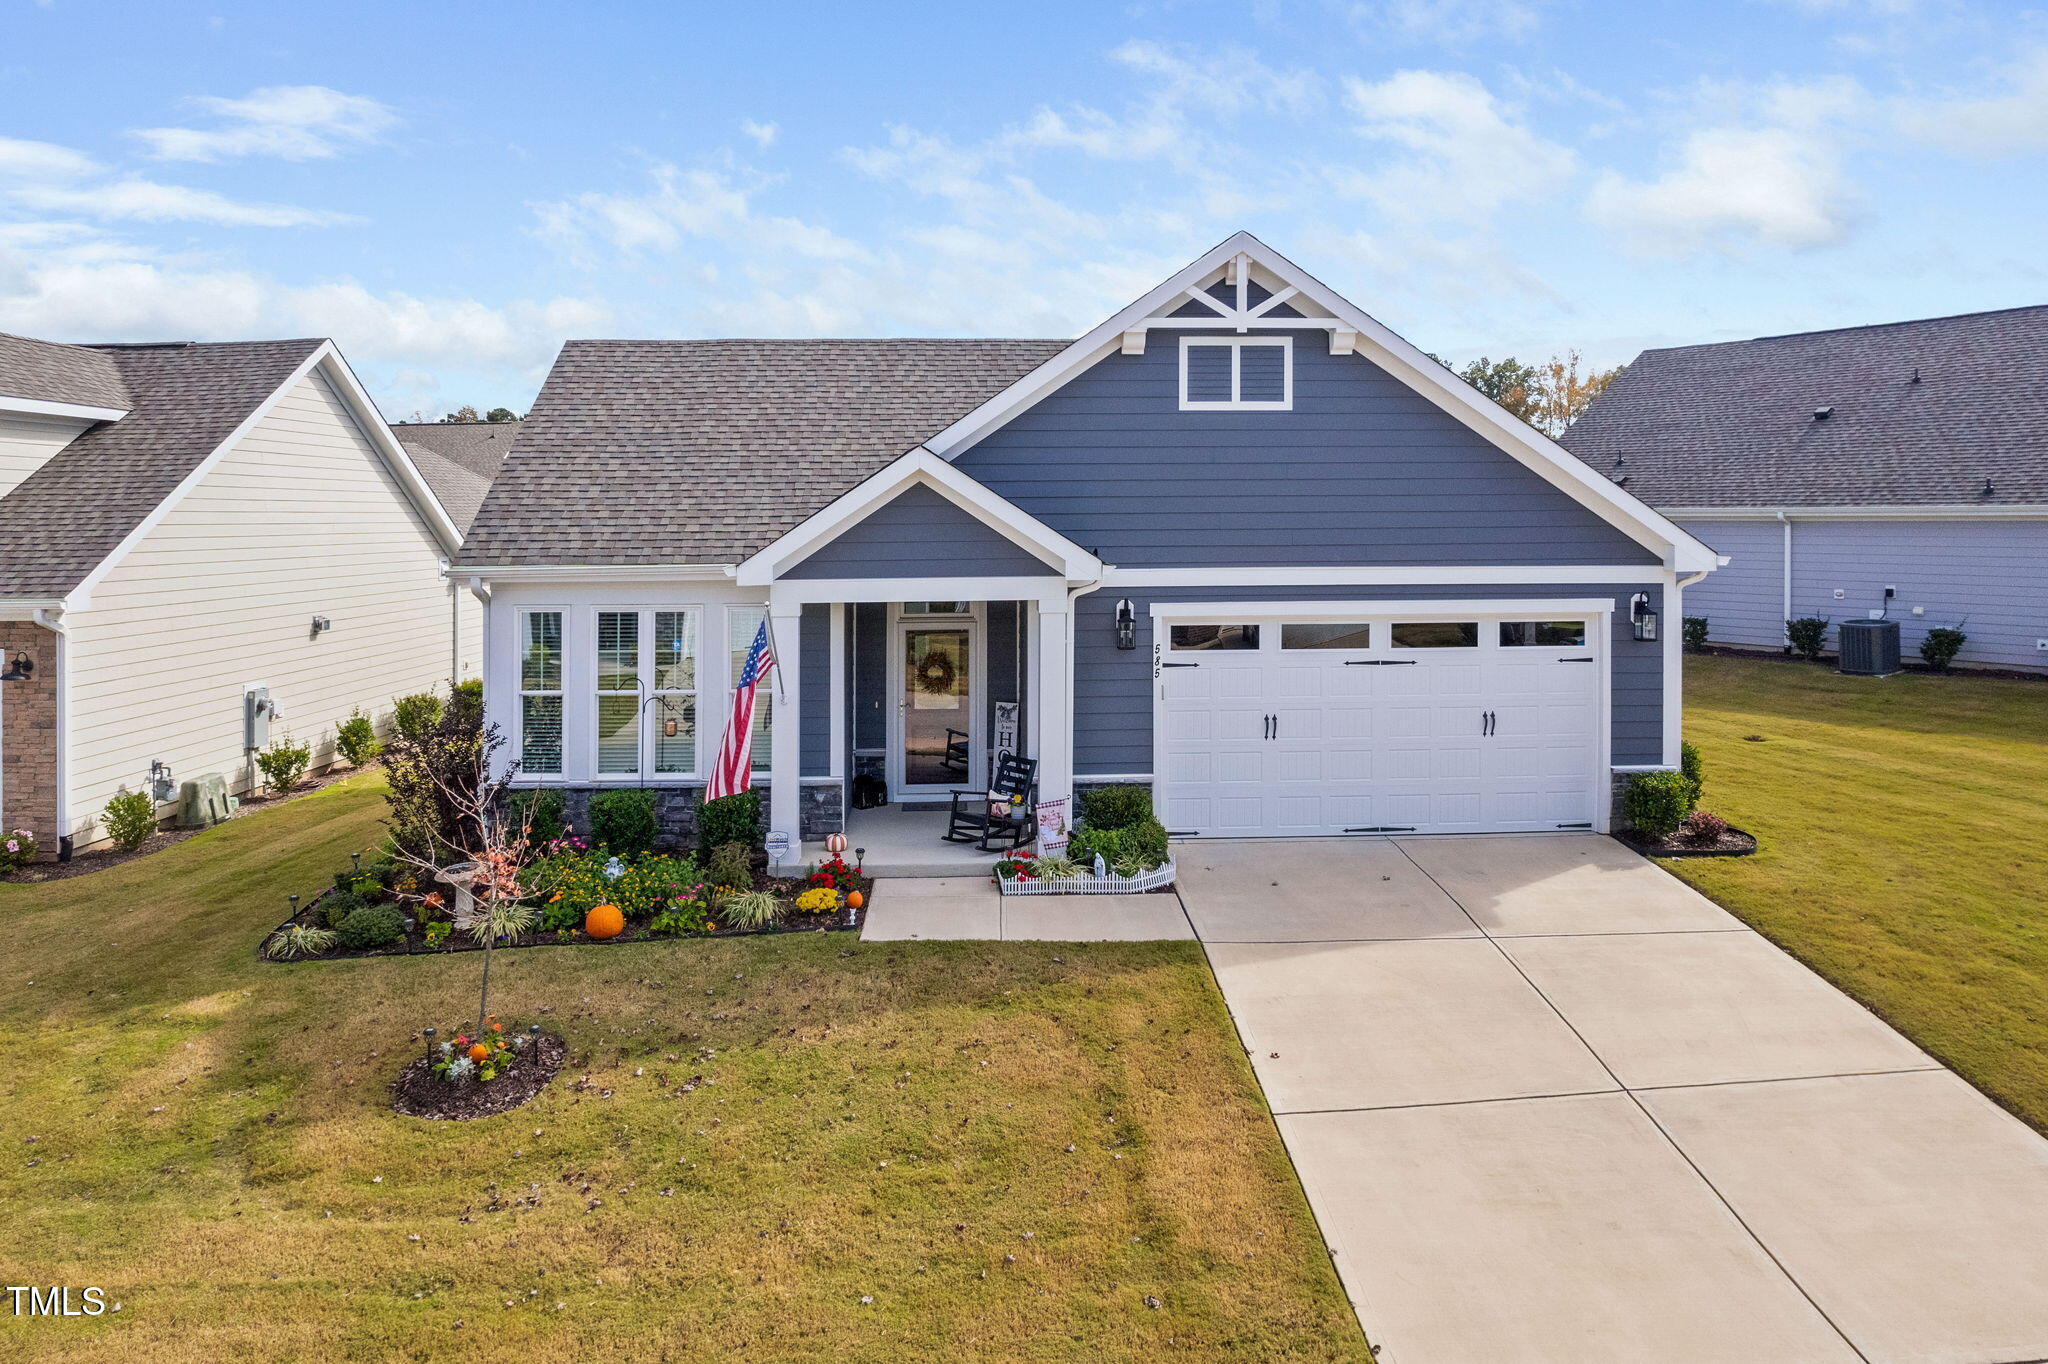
(1735, 843)
(419, 1093)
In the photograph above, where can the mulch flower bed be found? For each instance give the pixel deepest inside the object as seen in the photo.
(419, 1093)
(1733, 842)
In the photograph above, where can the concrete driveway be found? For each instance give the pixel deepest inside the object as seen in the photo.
(1549, 1104)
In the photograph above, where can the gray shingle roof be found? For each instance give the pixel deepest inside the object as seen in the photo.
(1733, 424)
(71, 513)
(663, 452)
(458, 459)
(54, 373)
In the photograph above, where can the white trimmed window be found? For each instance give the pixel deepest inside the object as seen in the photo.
(1236, 373)
(741, 625)
(540, 692)
(646, 693)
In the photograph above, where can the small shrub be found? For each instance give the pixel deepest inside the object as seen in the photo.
(732, 865)
(1114, 807)
(337, 905)
(130, 819)
(284, 765)
(298, 940)
(1694, 771)
(416, 716)
(1808, 636)
(357, 739)
(754, 909)
(372, 926)
(1657, 802)
(540, 812)
(730, 819)
(1702, 828)
(1059, 868)
(1695, 628)
(1140, 848)
(624, 822)
(1941, 646)
(17, 850)
(468, 697)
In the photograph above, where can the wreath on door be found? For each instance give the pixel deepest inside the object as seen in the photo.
(935, 674)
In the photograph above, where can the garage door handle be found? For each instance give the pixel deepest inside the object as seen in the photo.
(1575, 660)
(1197, 665)
(1385, 662)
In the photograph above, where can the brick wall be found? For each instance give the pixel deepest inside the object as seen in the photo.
(28, 735)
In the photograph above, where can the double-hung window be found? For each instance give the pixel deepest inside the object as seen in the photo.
(540, 692)
(646, 693)
(1236, 373)
(741, 624)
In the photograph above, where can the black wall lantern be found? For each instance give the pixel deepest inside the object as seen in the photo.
(1643, 616)
(18, 668)
(1126, 625)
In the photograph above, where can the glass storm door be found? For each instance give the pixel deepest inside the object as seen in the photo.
(937, 733)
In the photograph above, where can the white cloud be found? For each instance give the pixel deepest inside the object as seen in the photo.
(43, 161)
(2015, 119)
(147, 201)
(764, 134)
(295, 122)
(684, 204)
(1451, 23)
(1733, 188)
(1464, 155)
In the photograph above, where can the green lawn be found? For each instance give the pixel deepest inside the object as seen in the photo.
(1904, 824)
(207, 1137)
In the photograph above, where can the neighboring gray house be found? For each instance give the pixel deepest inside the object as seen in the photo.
(1830, 466)
(1240, 542)
(458, 460)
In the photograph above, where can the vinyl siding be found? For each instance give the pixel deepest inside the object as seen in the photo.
(815, 701)
(1744, 602)
(870, 653)
(26, 443)
(1982, 575)
(1113, 688)
(918, 533)
(1362, 470)
(300, 519)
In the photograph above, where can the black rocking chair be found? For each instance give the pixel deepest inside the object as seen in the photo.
(1003, 817)
(955, 759)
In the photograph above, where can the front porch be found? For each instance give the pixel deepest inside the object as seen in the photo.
(899, 841)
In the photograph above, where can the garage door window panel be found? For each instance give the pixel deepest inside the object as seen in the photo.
(1436, 634)
(1307, 635)
(1213, 638)
(1543, 634)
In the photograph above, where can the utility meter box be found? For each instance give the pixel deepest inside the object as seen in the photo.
(258, 710)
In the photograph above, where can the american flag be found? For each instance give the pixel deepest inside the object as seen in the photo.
(735, 769)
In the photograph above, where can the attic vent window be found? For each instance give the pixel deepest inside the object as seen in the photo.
(1241, 374)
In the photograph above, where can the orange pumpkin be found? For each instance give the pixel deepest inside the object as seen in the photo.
(605, 921)
(854, 899)
(479, 1052)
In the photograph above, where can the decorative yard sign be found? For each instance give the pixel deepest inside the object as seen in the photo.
(1052, 827)
(1005, 738)
(777, 843)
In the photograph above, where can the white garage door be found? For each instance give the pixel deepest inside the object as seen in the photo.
(1378, 725)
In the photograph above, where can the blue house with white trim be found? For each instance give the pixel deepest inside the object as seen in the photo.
(1240, 543)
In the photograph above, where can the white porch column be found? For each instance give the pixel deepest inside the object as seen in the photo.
(785, 760)
(1053, 699)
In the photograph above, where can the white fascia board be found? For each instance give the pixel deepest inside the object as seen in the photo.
(583, 573)
(1418, 608)
(1927, 511)
(908, 470)
(1393, 575)
(1368, 337)
(794, 592)
(28, 608)
(81, 596)
(380, 435)
(43, 407)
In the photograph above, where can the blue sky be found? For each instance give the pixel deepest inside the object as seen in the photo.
(450, 190)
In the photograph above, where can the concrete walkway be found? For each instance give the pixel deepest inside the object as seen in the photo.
(1549, 1104)
(928, 910)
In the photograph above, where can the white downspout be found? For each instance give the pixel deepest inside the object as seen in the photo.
(53, 622)
(1785, 559)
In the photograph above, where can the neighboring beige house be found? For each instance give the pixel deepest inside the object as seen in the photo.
(185, 526)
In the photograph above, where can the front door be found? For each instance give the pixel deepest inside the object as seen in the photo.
(937, 741)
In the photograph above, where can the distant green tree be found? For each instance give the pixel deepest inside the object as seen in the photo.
(501, 414)
(465, 413)
(1509, 382)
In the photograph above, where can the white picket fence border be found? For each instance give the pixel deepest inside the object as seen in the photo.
(1161, 875)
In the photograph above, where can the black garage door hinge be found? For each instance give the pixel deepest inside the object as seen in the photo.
(1382, 829)
(1575, 826)
(1180, 665)
(1381, 662)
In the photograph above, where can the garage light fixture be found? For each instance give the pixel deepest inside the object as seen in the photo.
(18, 668)
(1643, 616)
(1126, 625)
